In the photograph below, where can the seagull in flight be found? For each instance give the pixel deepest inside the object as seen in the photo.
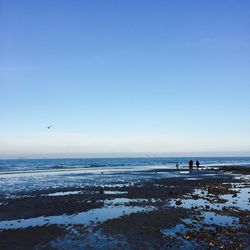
(49, 127)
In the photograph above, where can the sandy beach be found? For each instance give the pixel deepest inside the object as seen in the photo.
(203, 209)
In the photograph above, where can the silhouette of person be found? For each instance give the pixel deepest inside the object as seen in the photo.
(177, 166)
(197, 164)
(191, 164)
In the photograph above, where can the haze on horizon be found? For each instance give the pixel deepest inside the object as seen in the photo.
(124, 78)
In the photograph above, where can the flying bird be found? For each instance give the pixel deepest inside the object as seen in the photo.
(49, 127)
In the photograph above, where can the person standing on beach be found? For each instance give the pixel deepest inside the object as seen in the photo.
(197, 164)
(190, 163)
(177, 166)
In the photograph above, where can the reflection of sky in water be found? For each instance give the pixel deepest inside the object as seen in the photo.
(210, 219)
(90, 217)
(179, 228)
(115, 192)
(240, 201)
(188, 203)
(217, 219)
(122, 201)
(63, 193)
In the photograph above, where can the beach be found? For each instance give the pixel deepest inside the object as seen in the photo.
(124, 125)
(126, 207)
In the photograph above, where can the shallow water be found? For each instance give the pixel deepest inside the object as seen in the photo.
(73, 179)
(13, 184)
(122, 201)
(27, 175)
(63, 193)
(206, 217)
(91, 217)
(115, 192)
(241, 200)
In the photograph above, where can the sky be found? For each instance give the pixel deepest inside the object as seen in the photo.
(132, 77)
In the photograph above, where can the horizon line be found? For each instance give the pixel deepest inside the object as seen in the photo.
(123, 156)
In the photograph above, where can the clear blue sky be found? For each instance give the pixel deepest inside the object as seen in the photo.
(132, 76)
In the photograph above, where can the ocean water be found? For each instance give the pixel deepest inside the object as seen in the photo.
(22, 176)
(136, 163)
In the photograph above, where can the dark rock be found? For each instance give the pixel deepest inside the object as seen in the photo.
(178, 202)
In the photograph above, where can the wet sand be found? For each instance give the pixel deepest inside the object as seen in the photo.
(204, 209)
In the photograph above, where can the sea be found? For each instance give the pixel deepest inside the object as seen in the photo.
(25, 175)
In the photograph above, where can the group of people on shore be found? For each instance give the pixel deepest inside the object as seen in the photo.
(190, 165)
